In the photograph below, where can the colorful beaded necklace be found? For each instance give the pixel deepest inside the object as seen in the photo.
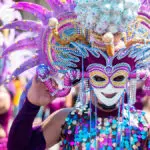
(108, 132)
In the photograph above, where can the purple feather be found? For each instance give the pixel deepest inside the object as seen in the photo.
(42, 13)
(23, 25)
(29, 43)
(30, 63)
(59, 7)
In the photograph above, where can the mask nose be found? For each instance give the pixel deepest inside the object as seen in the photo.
(109, 87)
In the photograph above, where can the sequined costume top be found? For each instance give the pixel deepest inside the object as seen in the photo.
(104, 131)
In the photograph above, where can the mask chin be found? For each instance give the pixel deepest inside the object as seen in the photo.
(108, 96)
(103, 106)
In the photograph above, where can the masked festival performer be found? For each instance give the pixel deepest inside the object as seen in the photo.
(85, 44)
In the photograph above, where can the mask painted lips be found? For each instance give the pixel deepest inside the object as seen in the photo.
(109, 95)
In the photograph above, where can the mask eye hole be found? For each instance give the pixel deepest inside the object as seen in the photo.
(98, 78)
(119, 78)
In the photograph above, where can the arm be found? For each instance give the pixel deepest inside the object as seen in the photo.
(22, 136)
(52, 126)
(21, 133)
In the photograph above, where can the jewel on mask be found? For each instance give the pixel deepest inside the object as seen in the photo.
(132, 90)
(109, 70)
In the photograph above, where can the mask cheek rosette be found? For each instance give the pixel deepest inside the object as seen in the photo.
(108, 89)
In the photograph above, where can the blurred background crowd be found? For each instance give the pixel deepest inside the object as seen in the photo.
(10, 93)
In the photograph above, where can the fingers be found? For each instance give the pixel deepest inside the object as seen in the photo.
(54, 83)
(37, 80)
(40, 85)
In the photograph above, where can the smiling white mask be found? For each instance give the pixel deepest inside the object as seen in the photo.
(108, 95)
(108, 89)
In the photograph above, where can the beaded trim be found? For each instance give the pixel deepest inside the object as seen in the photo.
(45, 79)
(78, 74)
(70, 74)
(54, 93)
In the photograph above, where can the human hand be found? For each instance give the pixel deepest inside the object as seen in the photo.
(39, 94)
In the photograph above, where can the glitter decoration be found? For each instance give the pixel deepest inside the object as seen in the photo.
(104, 130)
(106, 15)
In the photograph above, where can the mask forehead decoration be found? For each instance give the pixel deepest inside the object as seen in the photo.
(101, 76)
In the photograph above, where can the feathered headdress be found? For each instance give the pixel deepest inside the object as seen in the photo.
(63, 38)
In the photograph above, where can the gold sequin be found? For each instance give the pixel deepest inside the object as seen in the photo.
(101, 74)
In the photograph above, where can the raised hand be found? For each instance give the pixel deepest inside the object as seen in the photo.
(38, 93)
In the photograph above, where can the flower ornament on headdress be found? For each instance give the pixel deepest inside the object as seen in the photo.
(64, 45)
